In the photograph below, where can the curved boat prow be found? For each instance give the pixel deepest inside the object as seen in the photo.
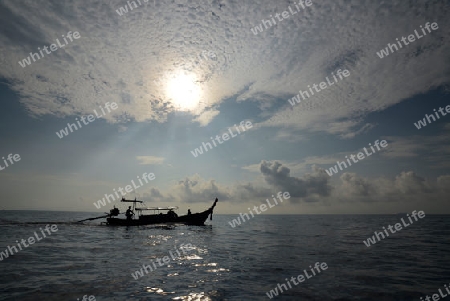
(212, 208)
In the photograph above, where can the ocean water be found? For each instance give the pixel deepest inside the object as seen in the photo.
(224, 263)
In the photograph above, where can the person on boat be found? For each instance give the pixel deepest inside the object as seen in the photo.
(189, 212)
(129, 214)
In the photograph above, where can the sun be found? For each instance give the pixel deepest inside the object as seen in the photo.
(183, 91)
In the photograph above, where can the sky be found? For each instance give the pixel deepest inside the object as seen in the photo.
(176, 73)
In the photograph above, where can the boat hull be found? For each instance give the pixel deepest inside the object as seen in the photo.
(196, 219)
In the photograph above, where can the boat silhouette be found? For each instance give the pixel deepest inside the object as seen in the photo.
(157, 217)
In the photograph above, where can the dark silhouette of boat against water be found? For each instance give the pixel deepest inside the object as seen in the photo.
(160, 215)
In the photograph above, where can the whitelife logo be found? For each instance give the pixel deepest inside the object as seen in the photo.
(110, 198)
(11, 158)
(423, 123)
(282, 287)
(225, 137)
(86, 298)
(411, 38)
(267, 23)
(237, 221)
(27, 61)
(165, 260)
(397, 226)
(360, 156)
(436, 296)
(13, 250)
(321, 86)
(90, 118)
(124, 9)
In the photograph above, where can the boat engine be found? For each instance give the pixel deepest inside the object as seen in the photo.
(114, 212)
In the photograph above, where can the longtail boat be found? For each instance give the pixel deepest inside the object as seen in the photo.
(157, 217)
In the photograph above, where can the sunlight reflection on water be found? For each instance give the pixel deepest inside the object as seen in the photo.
(193, 297)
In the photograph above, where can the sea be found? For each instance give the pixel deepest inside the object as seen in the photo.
(92, 261)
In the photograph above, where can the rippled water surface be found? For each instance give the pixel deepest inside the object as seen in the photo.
(224, 263)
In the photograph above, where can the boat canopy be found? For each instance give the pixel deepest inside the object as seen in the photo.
(158, 208)
(130, 201)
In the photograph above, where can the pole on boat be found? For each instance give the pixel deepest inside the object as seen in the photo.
(92, 218)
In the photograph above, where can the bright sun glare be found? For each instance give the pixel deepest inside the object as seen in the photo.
(183, 92)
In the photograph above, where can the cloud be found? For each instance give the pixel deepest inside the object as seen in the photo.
(192, 189)
(356, 186)
(403, 147)
(410, 183)
(407, 187)
(150, 160)
(434, 150)
(206, 117)
(340, 109)
(300, 166)
(276, 178)
(366, 128)
(112, 62)
(277, 175)
(155, 196)
(294, 166)
(195, 189)
(251, 191)
(443, 183)
(314, 187)
(288, 135)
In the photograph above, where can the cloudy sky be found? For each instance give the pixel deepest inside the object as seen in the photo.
(183, 71)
